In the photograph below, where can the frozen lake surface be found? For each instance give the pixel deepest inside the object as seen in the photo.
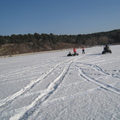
(52, 86)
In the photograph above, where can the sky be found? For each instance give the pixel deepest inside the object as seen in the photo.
(58, 16)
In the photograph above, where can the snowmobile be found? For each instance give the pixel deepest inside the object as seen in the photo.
(106, 50)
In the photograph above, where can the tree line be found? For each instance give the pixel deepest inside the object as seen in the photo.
(40, 42)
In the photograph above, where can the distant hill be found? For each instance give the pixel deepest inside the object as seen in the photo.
(27, 43)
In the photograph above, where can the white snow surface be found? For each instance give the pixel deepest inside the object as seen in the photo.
(52, 86)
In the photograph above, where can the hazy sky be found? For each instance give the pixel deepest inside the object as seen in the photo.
(58, 16)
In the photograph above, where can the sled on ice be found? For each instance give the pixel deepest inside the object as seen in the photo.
(70, 54)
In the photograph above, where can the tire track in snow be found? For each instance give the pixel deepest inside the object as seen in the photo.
(29, 86)
(30, 109)
(93, 80)
(101, 61)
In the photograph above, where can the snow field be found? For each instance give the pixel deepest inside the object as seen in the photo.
(52, 86)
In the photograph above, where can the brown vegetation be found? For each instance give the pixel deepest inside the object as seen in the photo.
(17, 44)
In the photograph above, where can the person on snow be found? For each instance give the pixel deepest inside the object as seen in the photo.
(106, 48)
(69, 54)
(74, 50)
(83, 50)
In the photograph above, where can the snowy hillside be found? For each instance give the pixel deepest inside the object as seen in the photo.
(52, 86)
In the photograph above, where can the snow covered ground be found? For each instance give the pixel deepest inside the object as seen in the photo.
(52, 86)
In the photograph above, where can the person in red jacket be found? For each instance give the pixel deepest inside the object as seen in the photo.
(74, 50)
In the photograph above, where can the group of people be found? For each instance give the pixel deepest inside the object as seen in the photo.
(83, 50)
(75, 52)
(105, 50)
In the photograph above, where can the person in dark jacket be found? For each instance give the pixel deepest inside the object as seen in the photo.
(83, 50)
(69, 54)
